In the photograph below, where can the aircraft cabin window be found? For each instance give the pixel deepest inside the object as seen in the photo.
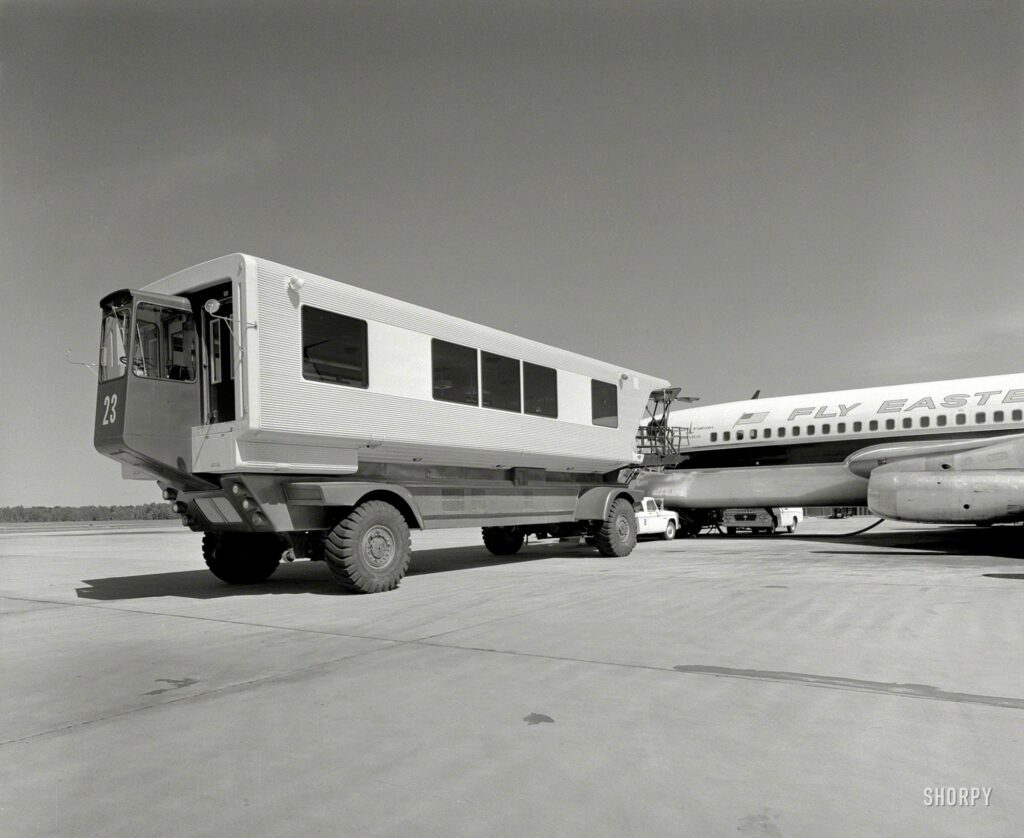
(810, 430)
(767, 433)
(841, 428)
(873, 425)
(753, 434)
(908, 422)
(826, 428)
(739, 436)
(857, 427)
(714, 436)
(925, 421)
(940, 421)
(961, 419)
(997, 416)
(455, 378)
(782, 432)
(604, 403)
(796, 430)
(499, 377)
(979, 418)
(726, 436)
(334, 348)
(1017, 415)
(890, 424)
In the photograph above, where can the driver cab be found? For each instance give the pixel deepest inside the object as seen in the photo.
(163, 370)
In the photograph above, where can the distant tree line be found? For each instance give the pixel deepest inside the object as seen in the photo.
(139, 512)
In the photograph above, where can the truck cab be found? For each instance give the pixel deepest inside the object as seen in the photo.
(765, 520)
(653, 519)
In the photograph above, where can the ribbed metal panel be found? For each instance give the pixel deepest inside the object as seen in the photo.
(394, 426)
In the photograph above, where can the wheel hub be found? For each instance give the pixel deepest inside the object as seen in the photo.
(622, 527)
(379, 546)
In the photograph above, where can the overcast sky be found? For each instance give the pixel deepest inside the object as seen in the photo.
(792, 196)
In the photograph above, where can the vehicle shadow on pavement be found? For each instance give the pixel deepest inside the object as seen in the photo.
(301, 577)
(1003, 542)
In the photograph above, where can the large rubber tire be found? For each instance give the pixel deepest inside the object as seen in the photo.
(730, 531)
(792, 527)
(368, 552)
(240, 558)
(617, 534)
(503, 541)
(670, 531)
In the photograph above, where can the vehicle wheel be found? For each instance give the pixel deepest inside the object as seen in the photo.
(242, 558)
(617, 535)
(368, 551)
(792, 527)
(670, 531)
(503, 541)
(730, 530)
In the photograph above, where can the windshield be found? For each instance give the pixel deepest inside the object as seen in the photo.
(113, 343)
(165, 343)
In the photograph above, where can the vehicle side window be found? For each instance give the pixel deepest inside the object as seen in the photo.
(1017, 415)
(165, 343)
(890, 424)
(454, 372)
(782, 432)
(873, 425)
(857, 426)
(604, 403)
(980, 417)
(714, 436)
(961, 418)
(334, 348)
(767, 433)
(997, 416)
(499, 377)
(925, 421)
(540, 390)
(941, 421)
(908, 422)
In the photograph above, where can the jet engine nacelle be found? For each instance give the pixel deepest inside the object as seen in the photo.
(947, 497)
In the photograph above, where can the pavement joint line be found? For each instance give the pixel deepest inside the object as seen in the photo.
(252, 682)
(797, 679)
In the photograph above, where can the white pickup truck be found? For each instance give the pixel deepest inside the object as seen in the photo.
(762, 519)
(653, 519)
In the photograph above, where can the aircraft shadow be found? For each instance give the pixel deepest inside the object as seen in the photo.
(1003, 542)
(301, 577)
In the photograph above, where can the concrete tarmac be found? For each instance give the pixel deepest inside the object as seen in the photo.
(801, 685)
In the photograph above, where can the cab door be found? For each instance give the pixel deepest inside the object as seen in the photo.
(219, 354)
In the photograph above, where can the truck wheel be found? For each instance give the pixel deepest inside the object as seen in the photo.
(242, 558)
(730, 530)
(617, 534)
(670, 531)
(792, 527)
(368, 551)
(503, 541)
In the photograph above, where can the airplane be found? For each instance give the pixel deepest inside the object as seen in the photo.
(946, 452)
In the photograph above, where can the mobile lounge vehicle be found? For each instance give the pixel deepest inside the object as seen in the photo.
(280, 410)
